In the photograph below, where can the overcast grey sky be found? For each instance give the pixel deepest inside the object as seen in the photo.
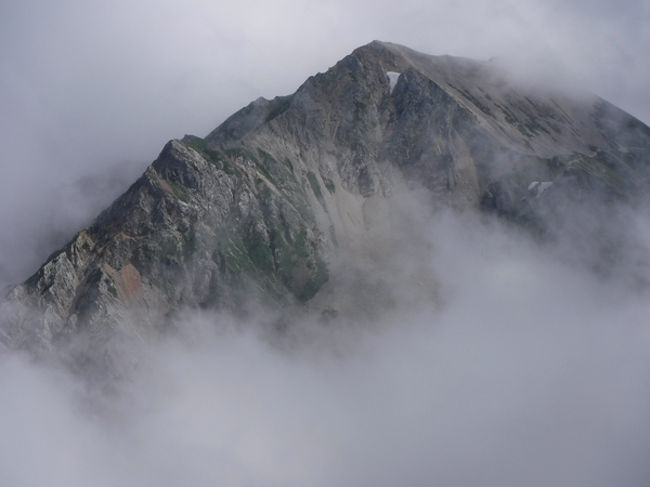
(94, 89)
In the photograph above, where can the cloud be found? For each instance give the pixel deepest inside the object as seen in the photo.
(530, 372)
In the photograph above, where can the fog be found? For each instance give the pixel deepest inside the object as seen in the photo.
(491, 359)
(524, 370)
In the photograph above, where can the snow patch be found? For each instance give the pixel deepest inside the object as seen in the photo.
(392, 79)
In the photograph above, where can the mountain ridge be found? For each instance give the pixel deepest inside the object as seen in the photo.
(262, 204)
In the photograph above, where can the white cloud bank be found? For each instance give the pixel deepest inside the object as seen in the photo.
(527, 371)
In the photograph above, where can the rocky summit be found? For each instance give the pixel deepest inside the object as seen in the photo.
(261, 206)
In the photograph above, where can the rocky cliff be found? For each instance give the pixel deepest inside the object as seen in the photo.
(261, 206)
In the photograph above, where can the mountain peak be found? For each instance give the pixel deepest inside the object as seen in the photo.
(263, 204)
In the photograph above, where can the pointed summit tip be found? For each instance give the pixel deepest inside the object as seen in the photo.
(388, 53)
(376, 45)
(391, 50)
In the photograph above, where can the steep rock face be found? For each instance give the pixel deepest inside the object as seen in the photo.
(195, 230)
(260, 206)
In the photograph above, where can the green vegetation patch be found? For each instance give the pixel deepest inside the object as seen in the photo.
(242, 152)
(300, 266)
(266, 162)
(287, 260)
(169, 249)
(287, 163)
(329, 184)
(313, 182)
(180, 191)
(260, 253)
(213, 156)
(278, 106)
(318, 277)
(599, 168)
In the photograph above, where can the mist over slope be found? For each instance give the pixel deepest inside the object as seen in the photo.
(523, 370)
(441, 280)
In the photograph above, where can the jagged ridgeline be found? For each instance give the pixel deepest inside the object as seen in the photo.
(261, 206)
